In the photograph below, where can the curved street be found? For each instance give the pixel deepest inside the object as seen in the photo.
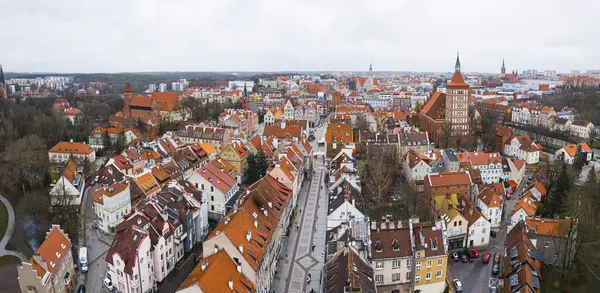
(9, 231)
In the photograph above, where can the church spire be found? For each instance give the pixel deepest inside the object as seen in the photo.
(457, 65)
(2, 79)
(503, 68)
(245, 90)
(370, 69)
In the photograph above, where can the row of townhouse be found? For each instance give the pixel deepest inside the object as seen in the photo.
(293, 110)
(535, 114)
(240, 121)
(532, 243)
(99, 135)
(246, 243)
(454, 199)
(409, 256)
(214, 136)
(155, 235)
(518, 146)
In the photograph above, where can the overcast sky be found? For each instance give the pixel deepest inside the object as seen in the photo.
(281, 35)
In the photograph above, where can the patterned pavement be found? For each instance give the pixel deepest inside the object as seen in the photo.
(297, 259)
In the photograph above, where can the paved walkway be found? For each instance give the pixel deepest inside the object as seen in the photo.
(298, 259)
(9, 231)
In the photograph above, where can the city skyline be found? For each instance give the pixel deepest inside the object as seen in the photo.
(274, 36)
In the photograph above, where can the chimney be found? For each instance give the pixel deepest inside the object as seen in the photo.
(241, 248)
(204, 265)
(216, 248)
(230, 284)
(239, 267)
(249, 234)
(255, 224)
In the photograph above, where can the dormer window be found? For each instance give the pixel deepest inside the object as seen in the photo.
(378, 246)
(395, 245)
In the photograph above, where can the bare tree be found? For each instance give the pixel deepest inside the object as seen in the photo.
(381, 170)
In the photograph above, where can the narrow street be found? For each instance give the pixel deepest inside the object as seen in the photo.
(298, 260)
(477, 276)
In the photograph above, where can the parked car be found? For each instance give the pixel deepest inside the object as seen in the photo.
(454, 256)
(493, 289)
(457, 285)
(474, 254)
(496, 257)
(486, 257)
(508, 196)
(496, 268)
(81, 289)
(108, 284)
(311, 137)
(464, 257)
(493, 234)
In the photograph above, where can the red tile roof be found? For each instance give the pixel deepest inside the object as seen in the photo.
(214, 273)
(66, 147)
(52, 251)
(217, 177)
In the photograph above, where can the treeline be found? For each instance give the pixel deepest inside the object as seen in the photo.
(585, 101)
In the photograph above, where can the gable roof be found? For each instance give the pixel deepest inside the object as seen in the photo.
(435, 106)
(51, 252)
(214, 273)
(347, 270)
(490, 198)
(217, 177)
(66, 147)
(448, 179)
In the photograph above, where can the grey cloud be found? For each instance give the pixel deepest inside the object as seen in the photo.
(273, 35)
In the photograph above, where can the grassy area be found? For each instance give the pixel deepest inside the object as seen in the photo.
(3, 219)
(7, 260)
(396, 209)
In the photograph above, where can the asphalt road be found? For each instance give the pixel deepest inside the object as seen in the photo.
(477, 276)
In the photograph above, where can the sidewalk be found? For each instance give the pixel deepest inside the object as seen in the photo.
(297, 259)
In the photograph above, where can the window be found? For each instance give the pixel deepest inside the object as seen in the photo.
(429, 264)
(212, 207)
(483, 231)
(482, 239)
(202, 186)
(212, 198)
(379, 265)
(454, 223)
(460, 223)
(547, 244)
(417, 278)
(212, 189)
(396, 277)
(396, 264)
(408, 263)
(418, 265)
(438, 274)
(378, 278)
(408, 275)
(440, 262)
(428, 276)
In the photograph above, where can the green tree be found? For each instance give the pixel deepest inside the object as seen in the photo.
(257, 166)
(107, 142)
(592, 137)
(559, 193)
(121, 142)
(580, 158)
(140, 125)
(418, 106)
